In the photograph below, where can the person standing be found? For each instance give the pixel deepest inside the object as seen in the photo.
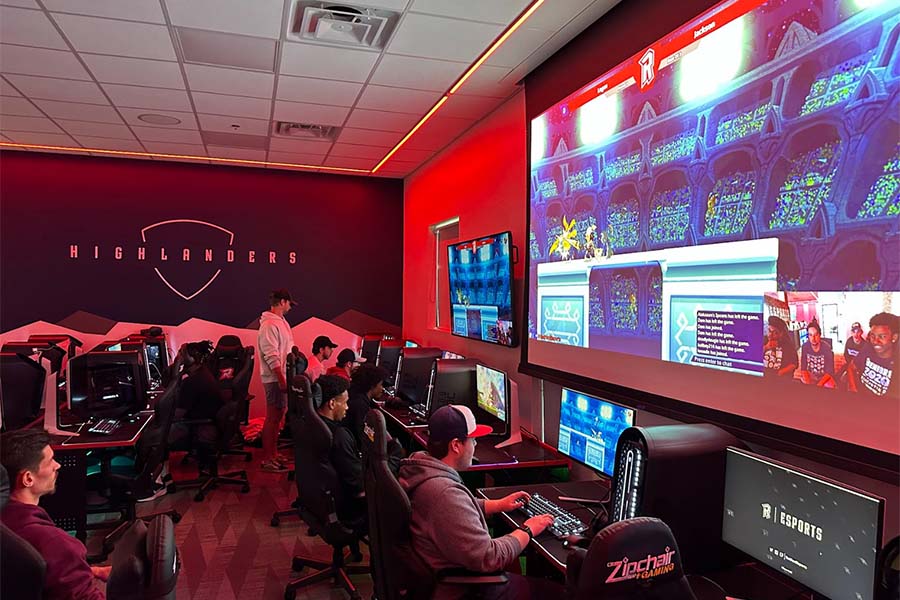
(322, 349)
(275, 342)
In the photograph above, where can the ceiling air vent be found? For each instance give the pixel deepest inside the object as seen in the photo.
(342, 24)
(306, 130)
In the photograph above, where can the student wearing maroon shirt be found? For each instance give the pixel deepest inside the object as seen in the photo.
(28, 458)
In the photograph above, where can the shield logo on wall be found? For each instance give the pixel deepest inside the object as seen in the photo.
(187, 254)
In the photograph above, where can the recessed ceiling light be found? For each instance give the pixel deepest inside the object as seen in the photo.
(154, 119)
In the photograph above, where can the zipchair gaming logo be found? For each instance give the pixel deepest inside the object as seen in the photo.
(177, 247)
(647, 568)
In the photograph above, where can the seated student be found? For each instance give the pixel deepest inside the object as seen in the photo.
(345, 454)
(816, 358)
(448, 526)
(366, 387)
(28, 458)
(322, 348)
(874, 370)
(347, 362)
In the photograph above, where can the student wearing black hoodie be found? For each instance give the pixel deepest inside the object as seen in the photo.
(448, 525)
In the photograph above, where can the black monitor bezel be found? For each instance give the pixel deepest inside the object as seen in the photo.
(634, 414)
(487, 417)
(39, 370)
(111, 357)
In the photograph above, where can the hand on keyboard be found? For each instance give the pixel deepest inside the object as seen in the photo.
(539, 523)
(564, 523)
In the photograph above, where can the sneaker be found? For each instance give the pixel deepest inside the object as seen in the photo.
(272, 466)
(161, 490)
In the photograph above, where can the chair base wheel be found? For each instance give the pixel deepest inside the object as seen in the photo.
(275, 522)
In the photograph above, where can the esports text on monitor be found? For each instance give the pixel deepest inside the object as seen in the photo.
(492, 398)
(589, 429)
(107, 384)
(820, 533)
(21, 390)
(480, 272)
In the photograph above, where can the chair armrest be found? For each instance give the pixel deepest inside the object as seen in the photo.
(465, 577)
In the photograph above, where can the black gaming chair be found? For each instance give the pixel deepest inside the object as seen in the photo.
(232, 365)
(598, 573)
(318, 485)
(24, 568)
(397, 570)
(296, 364)
(145, 563)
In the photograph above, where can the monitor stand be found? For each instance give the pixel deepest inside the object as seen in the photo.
(51, 409)
(515, 433)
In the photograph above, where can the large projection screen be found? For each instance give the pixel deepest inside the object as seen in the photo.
(716, 221)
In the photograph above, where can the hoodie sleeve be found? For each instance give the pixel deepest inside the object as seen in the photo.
(269, 346)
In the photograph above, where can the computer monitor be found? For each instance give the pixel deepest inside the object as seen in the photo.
(389, 358)
(21, 390)
(157, 352)
(107, 384)
(821, 533)
(151, 374)
(370, 347)
(452, 382)
(491, 398)
(589, 429)
(452, 355)
(38, 350)
(415, 373)
(65, 341)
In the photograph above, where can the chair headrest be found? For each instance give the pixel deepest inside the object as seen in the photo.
(4, 487)
(229, 345)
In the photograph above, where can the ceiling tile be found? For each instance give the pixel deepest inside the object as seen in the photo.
(148, 97)
(486, 81)
(519, 46)
(6, 89)
(469, 107)
(9, 123)
(241, 153)
(350, 163)
(326, 62)
(226, 124)
(188, 120)
(392, 99)
(229, 50)
(502, 12)
(120, 38)
(18, 106)
(402, 166)
(417, 73)
(389, 4)
(104, 143)
(382, 121)
(37, 137)
(41, 61)
(49, 88)
(133, 10)
(233, 16)
(301, 112)
(175, 148)
(369, 137)
(219, 104)
(437, 132)
(356, 151)
(317, 147)
(294, 158)
(29, 28)
(427, 36)
(160, 134)
(22, 3)
(79, 112)
(236, 82)
(318, 91)
(134, 71)
(177, 159)
(410, 155)
(103, 130)
(552, 16)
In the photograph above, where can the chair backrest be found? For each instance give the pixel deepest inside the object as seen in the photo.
(605, 570)
(18, 557)
(232, 365)
(145, 562)
(163, 416)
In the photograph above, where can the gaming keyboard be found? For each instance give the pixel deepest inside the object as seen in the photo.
(104, 426)
(565, 523)
(419, 410)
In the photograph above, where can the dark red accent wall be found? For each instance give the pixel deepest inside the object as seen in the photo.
(346, 232)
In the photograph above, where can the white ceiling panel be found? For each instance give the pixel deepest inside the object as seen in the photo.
(148, 97)
(318, 91)
(350, 163)
(219, 104)
(518, 47)
(103, 130)
(12, 123)
(133, 10)
(241, 153)
(486, 81)
(120, 38)
(79, 112)
(326, 62)
(188, 119)
(227, 124)
(21, 3)
(160, 134)
(104, 143)
(42, 138)
(389, 4)
(382, 121)
(19, 107)
(134, 71)
(369, 137)
(409, 155)
(392, 99)
(29, 28)
(302, 112)
(501, 12)
(437, 133)
(417, 73)
(261, 19)
(469, 107)
(40, 61)
(317, 147)
(295, 158)
(49, 88)
(356, 151)
(6, 89)
(556, 13)
(426, 36)
(236, 82)
(175, 148)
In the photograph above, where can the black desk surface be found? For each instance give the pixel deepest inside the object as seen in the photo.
(530, 453)
(403, 417)
(547, 545)
(127, 434)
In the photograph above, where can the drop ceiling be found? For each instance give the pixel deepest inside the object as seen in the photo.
(148, 76)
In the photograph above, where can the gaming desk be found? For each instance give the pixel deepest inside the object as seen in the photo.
(530, 453)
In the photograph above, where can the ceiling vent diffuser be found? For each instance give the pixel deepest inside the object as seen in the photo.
(306, 131)
(342, 24)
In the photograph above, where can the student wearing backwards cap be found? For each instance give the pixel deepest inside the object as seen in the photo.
(448, 526)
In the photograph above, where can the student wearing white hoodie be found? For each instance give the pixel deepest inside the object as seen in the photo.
(275, 342)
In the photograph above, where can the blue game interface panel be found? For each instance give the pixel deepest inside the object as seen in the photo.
(589, 429)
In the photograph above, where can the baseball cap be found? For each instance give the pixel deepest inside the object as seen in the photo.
(454, 421)
(856, 327)
(347, 355)
(282, 294)
(321, 342)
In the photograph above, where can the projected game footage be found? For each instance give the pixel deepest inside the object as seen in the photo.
(729, 199)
